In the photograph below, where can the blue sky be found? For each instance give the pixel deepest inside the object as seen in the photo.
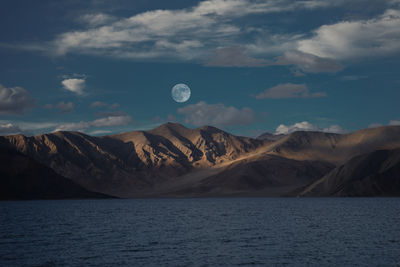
(104, 67)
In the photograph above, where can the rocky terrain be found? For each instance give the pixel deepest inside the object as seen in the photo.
(172, 160)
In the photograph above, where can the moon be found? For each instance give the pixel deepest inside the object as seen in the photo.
(180, 92)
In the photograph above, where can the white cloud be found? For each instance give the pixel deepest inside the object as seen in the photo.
(99, 132)
(394, 122)
(26, 128)
(219, 115)
(289, 90)
(306, 126)
(186, 34)
(74, 85)
(356, 39)
(108, 121)
(334, 129)
(375, 125)
(14, 100)
(112, 121)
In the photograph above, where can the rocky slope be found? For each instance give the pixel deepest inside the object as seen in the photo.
(373, 174)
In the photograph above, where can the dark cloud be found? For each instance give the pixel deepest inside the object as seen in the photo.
(14, 100)
(98, 104)
(289, 90)
(63, 107)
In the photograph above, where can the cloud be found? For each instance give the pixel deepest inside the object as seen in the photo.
(62, 107)
(98, 104)
(112, 121)
(22, 127)
(394, 122)
(100, 132)
(308, 62)
(114, 106)
(185, 34)
(74, 85)
(375, 125)
(216, 114)
(111, 113)
(233, 57)
(356, 39)
(289, 90)
(97, 19)
(306, 126)
(9, 128)
(107, 121)
(14, 100)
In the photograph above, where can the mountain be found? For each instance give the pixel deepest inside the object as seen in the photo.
(172, 160)
(129, 163)
(24, 178)
(373, 174)
(269, 136)
(336, 148)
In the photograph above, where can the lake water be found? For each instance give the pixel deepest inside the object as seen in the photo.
(201, 232)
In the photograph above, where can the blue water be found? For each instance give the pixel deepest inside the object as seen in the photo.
(201, 232)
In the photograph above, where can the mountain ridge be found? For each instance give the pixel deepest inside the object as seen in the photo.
(172, 160)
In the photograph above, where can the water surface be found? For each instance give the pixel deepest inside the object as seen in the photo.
(201, 232)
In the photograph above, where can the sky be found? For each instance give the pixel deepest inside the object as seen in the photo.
(104, 67)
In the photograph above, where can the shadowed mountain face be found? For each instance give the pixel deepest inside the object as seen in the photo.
(372, 174)
(336, 148)
(24, 178)
(172, 160)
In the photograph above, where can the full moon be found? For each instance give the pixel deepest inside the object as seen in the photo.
(180, 93)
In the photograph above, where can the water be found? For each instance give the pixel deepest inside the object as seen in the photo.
(201, 232)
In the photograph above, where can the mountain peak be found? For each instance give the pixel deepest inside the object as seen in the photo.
(171, 125)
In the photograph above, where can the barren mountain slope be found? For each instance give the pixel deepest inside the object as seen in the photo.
(373, 174)
(335, 148)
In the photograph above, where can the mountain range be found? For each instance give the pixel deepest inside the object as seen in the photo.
(174, 161)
